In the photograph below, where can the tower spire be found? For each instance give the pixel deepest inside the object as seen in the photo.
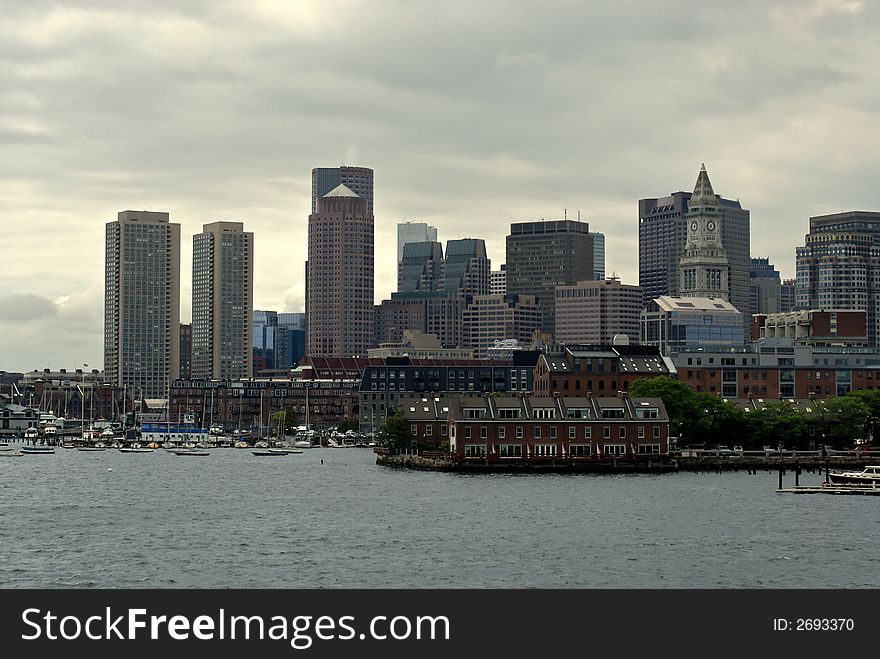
(703, 192)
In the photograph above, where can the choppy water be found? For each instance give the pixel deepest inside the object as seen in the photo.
(237, 520)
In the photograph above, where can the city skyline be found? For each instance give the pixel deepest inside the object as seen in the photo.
(536, 121)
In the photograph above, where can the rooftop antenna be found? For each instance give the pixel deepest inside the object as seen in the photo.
(579, 214)
(565, 213)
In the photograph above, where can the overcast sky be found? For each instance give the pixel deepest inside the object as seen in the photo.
(472, 114)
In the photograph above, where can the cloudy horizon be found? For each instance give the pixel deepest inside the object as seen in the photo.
(472, 115)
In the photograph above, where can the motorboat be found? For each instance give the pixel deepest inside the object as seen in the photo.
(36, 450)
(136, 449)
(285, 450)
(269, 452)
(191, 452)
(870, 475)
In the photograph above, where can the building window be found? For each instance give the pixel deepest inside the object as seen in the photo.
(414, 430)
(501, 432)
(606, 432)
(519, 432)
(467, 432)
(572, 432)
(537, 432)
(622, 432)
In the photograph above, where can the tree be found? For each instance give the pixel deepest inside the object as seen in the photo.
(850, 418)
(394, 431)
(286, 416)
(347, 424)
(777, 423)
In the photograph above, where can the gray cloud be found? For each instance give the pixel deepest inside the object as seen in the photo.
(474, 115)
(26, 307)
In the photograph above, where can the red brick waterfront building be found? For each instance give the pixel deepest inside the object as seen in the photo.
(537, 428)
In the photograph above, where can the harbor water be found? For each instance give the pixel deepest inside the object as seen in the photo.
(332, 518)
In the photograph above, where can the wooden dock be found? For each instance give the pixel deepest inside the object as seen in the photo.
(829, 489)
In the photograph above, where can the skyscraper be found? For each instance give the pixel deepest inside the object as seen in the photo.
(663, 232)
(186, 351)
(421, 268)
(787, 295)
(765, 287)
(466, 267)
(703, 270)
(339, 293)
(598, 255)
(498, 281)
(357, 179)
(839, 265)
(546, 254)
(413, 232)
(594, 312)
(142, 303)
(223, 299)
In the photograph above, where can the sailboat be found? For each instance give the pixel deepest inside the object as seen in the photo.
(304, 432)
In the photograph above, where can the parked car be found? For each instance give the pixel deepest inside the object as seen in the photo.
(724, 450)
(737, 449)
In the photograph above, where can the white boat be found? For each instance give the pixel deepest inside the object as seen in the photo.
(870, 475)
(285, 450)
(191, 452)
(136, 450)
(241, 445)
(11, 454)
(31, 433)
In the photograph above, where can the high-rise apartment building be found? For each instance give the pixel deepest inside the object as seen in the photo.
(223, 302)
(765, 287)
(839, 265)
(339, 293)
(142, 303)
(546, 254)
(663, 235)
(413, 232)
(265, 338)
(357, 179)
(595, 312)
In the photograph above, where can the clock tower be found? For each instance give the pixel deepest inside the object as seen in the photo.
(703, 270)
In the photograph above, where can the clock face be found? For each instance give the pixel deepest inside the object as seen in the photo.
(710, 226)
(694, 226)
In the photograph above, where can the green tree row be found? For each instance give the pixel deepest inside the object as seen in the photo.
(701, 418)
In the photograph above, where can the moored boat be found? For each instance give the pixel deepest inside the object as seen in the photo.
(36, 450)
(191, 452)
(870, 475)
(269, 452)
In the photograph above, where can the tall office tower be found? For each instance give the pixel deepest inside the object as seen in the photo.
(498, 281)
(703, 270)
(357, 179)
(466, 267)
(340, 278)
(839, 265)
(787, 295)
(264, 333)
(765, 287)
(598, 255)
(223, 302)
(413, 232)
(290, 343)
(186, 351)
(491, 318)
(421, 268)
(546, 254)
(594, 312)
(142, 303)
(663, 232)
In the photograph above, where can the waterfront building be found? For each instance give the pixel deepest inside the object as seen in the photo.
(595, 312)
(142, 302)
(15, 419)
(778, 369)
(357, 179)
(546, 254)
(839, 265)
(185, 351)
(765, 288)
(339, 303)
(836, 327)
(223, 298)
(535, 429)
(248, 405)
(413, 232)
(598, 255)
(385, 381)
(664, 225)
(75, 394)
(596, 370)
(674, 323)
(498, 281)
